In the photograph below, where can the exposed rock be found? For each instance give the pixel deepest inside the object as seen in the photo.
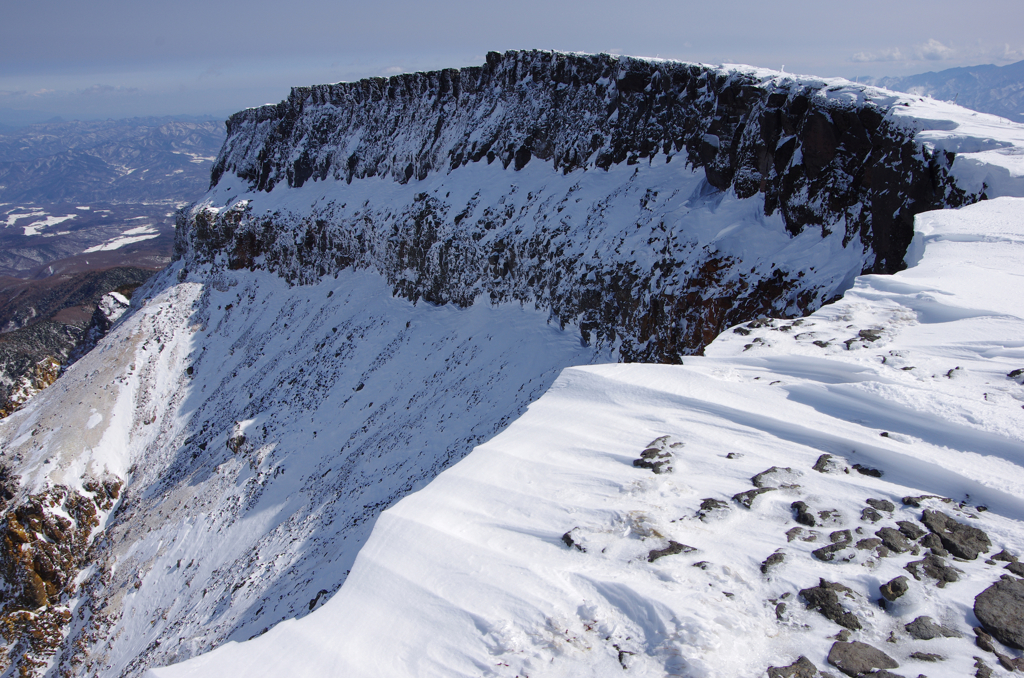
(895, 588)
(933, 542)
(917, 501)
(910, 530)
(775, 477)
(841, 539)
(711, 509)
(870, 515)
(672, 549)
(927, 657)
(803, 513)
(984, 671)
(746, 499)
(771, 561)
(798, 533)
(881, 505)
(924, 628)
(893, 539)
(983, 640)
(1000, 609)
(963, 541)
(828, 463)
(934, 567)
(856, 658)
(868, 544)
(1016, 568)
(569, 541)
(825, 599)
(656, 459)
(1005, 556)
(867, 471)
(801, 668)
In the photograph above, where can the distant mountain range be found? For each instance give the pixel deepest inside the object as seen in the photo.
(86, 209)
(990, 89)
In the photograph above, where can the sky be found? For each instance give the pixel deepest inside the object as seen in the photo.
(121, 58)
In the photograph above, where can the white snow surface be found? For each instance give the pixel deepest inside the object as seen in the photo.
(470, 576)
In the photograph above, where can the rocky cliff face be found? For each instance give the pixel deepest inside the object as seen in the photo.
(826, 159)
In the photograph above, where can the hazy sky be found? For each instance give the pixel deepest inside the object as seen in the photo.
(116, 58)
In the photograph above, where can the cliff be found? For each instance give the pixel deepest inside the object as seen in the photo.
(820, 157)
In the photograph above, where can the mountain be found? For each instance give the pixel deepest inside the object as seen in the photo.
(88, 209)
(811, 495)
(387, 274)
(998, 90)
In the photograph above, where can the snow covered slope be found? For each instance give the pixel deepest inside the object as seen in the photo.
(335, 332)
(550, 552)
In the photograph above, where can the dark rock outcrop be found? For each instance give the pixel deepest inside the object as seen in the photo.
(856, 658)
(924, 628)
(1000, 609)
(963, 541)
(824, 164)
(825, 599)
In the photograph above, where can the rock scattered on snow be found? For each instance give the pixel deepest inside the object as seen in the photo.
(895, 588)
(857, 658)
(963, 541)
(825, 599)
(841, 539)
(1000, 609)
(771, 561)
(927, 657)
(910, 530)
(746, 499)
(893, 540)
(828, 463)
(935, 567)
(925, 628)
(801, 668)
(713, 509)
(776, 477)
(673, 548)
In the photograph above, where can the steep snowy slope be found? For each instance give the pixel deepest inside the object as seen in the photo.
(550, 551)
(336, 331)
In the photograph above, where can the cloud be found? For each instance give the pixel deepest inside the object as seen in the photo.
(893, 54)
(933, 50)
(106, 89)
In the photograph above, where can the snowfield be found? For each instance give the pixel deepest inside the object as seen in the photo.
(907, 375)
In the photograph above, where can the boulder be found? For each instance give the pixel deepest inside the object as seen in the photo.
(825, 599)
(924, 628)
(963, 541)
(1000, 609)
(856, 658)
(801, 668)
(895, 588)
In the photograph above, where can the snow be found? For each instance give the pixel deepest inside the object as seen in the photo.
(470, 575)
(132, 235)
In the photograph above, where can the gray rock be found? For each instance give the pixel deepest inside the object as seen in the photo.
(1000, 609)
(927, 657)
(672, 549)
(803, 513)
(1016, 568)
(772, 561)
(712, 509)
(857, 658)
(746, 499)
(870, 515)
(919, 499)
(881, 505)
(801, 668)
(841, 539)
(868, 544)
(895, 588)
(933, 542)
(828, 463)
(775, 477)
(984, 671)
(867, 471)
(935, 567)
(910, 530)
(924, 628)
(825, 599)
(893, 539)
(1005, 556)
(963, 541)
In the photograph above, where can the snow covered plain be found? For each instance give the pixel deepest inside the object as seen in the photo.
(906, 375)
